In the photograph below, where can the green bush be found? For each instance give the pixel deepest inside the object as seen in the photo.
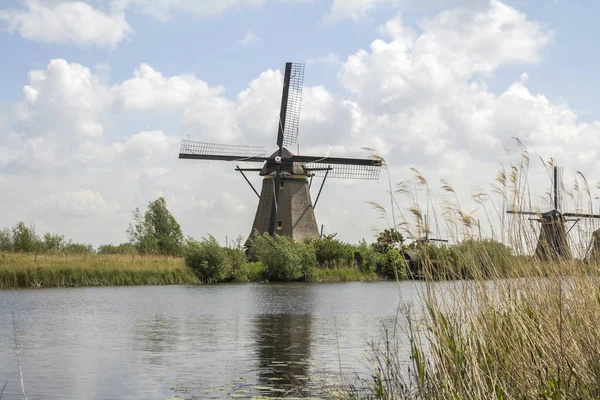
(390, 262)
(366, 257)
(237, 259)
(284, 259)
(466, 260)
(209, 261)
(482, 258)
(437, 261)
(332, 253)
(123, 248)
(77, 248)
(253, 272)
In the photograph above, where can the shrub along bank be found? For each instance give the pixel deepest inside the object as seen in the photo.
(276, 259)
(281, 259)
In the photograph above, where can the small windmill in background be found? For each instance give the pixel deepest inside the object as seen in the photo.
(285, 206)
(552, 242)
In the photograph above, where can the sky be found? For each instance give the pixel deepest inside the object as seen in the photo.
(96, 97)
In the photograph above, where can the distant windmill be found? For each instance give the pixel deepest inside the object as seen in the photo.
(552, 243)
(285, 206)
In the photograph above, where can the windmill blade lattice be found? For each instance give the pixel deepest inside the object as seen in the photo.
(344, 171)
(218, 151)
(294, 104)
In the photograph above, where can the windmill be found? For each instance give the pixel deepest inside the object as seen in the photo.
(285, 206)
(552, 242)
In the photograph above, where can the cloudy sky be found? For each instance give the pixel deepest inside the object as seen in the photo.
(96, 97)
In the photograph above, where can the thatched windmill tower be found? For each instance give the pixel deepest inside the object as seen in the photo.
(285, 206)
(552, 242)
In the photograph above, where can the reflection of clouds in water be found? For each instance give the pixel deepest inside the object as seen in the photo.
(154, 338)
(138, 342)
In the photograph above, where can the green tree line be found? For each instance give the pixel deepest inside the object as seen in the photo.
(278, 258)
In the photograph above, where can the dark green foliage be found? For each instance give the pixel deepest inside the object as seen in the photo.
(77, 248)
(482, 258)
(332, 253)
(388, 239)
(466, 260)
(237, 260)
(52, 242)
(366, 257)
(157, 231)
(251, 272)
(208, 260)
(433, 260)
(285, 259)
(391, 264)
(123, 248)
(24, 239)
(6, 240)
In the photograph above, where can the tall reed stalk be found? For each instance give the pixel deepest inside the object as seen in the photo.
(521, 329)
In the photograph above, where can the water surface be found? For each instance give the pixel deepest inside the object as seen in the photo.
(191, 341)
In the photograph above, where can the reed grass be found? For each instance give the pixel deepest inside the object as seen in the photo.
(519, 329)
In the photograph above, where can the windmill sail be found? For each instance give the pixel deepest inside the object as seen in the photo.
(222, 152)
(343, 171)
(337, 167)
(291, 103)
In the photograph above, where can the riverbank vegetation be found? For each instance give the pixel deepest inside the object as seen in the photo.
(522, 327)
(157, 254)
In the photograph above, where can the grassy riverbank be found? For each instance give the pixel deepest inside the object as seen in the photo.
(30, 271)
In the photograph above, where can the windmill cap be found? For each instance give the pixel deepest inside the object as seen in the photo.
(295, 169)
(285, 153)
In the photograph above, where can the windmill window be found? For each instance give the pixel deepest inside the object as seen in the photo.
(279, 225)
(281, 185)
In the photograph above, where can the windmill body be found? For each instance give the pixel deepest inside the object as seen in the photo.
(285, 206)
(552, 242)
(294, 216)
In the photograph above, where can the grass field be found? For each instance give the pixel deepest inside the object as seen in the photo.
(28, 270)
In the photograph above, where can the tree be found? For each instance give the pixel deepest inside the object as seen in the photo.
(53, 242)
(24, 239)
(157, 231)
(388, 239)
(6, 244)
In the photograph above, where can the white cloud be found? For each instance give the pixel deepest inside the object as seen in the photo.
(72, 22)
(258, 107)
(358, 10)
(82, 202)
(151, 90)
(147, 146)
(164, 9)
(480, 40)
(329, 59)
(418, 102)
(351, 9)
(249, 38)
